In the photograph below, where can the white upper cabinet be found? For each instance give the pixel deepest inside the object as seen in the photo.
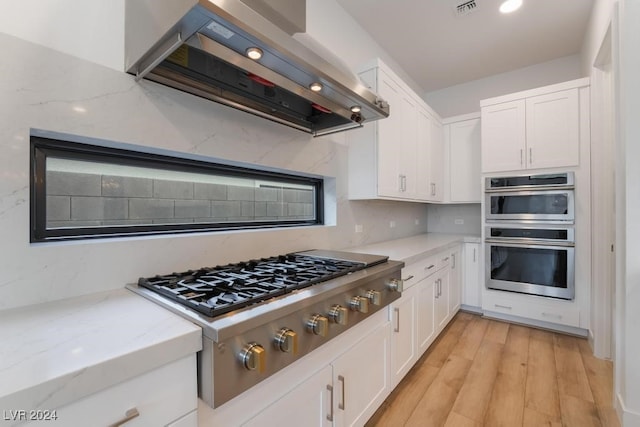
(462, 136)
(553, 130)
(535, 129)
(436, 160)
(503, 136)
(393, 158)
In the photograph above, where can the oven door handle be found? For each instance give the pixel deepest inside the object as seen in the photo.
(529, 188)
(532, 242)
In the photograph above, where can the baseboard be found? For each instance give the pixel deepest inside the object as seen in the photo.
(471, 309)
(627, 417)
(571, 330)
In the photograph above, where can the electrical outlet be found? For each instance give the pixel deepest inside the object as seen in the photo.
(458, 221)
(417, 221)
(392, 224)
(359, 228)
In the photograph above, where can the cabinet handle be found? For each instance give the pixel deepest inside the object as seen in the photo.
(342, 404)
(521, 154)
(128, 416)
(502, 306)
(433, 189)
(439, 288)
(408, 278)
(474, 254)
(453, 260)
(557, 316)
(330, 415)
(530, 155)
(400, 182)
(397, 311)
(404, 182)
(430, 267)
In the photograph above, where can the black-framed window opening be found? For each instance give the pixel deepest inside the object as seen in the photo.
(81, 191)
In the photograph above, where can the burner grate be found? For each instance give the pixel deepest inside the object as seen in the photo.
(218, 290)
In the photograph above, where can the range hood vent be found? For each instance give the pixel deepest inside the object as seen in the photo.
(200, 47)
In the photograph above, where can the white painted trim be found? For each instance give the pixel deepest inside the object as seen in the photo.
(461, 118)
(537, 323)
(535, 92)
(471, 309)
(625, 415)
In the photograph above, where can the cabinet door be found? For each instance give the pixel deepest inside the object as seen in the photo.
(464, 161)
(308, 404)
(390, 134)
(424, 155)
(553, 130)
(436, 193)
(425, 306)
(407, 143)
(441, 301)
(503, 136)
(403, 335)
(472, 275)
(361, 378)
(455, 270)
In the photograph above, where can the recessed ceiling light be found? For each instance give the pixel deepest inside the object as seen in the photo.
(316, 87)
(254, 53)
(510, 6)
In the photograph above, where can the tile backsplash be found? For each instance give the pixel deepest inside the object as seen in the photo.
(53, 92)
(83, 200)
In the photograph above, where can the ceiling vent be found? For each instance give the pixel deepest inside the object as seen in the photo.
(461, 8)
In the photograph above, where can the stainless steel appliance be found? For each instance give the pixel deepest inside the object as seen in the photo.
(536, 259)
(259, 316)
(242, 53)
(548, 197)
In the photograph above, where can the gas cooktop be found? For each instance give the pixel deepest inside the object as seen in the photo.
(214, 291)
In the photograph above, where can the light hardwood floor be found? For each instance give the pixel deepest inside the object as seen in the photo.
(482, 372)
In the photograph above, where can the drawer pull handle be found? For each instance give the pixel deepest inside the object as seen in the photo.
(503, 306)
(397, 311)
(558, 316)
(430, 267)
(408, 278)
(445, 259)
(330, 415)
(343, 404)
(128, 416)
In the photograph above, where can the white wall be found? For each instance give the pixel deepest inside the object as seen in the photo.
(465, 98)
(40, 87)
(93, 30)
(442, 219)
(627, 225)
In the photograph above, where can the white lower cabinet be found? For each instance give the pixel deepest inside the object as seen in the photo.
(403, 334)
(166, 396)
(426, 321)
(361, 379)
(308, 404)
(472, 277)
(441, 301)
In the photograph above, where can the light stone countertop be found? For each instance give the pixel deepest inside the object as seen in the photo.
(414, 248)
(56, 353)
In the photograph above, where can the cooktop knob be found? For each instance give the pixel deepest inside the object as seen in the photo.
(318, 325)
(253, 357)
(359, 304)
(339, 314)
(286, 340)
(395, 285)
(374, 297)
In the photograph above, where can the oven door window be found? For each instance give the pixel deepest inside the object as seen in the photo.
(532, 269)
(535, 205)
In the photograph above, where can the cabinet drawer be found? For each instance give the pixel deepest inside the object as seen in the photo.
(553, 311)
(413, 273)
(159, 397)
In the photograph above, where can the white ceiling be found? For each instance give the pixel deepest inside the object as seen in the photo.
(439, 49)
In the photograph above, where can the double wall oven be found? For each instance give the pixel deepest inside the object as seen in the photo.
(530, 234)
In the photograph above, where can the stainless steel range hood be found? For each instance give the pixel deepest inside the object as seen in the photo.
(200, 46)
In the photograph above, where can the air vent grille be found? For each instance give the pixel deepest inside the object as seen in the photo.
(465, 7)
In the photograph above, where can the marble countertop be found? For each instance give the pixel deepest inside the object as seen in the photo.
(56, 353)
(415, 248)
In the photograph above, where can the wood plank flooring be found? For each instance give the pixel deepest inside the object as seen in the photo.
(483, 372)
